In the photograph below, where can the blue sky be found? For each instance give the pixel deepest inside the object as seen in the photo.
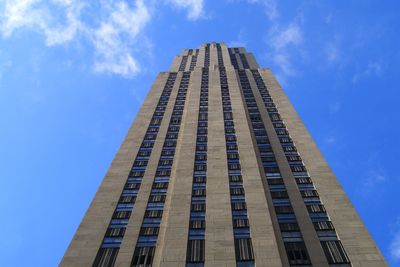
(74, 73)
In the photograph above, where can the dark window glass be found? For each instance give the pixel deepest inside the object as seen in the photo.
(106, 257)
(283, 209)
(197, 224)
(289, 227)
(143, 257)
(149, 230)
(297, 253)
(244, 249)
(195, 251)
(323, 226)
(334, 252)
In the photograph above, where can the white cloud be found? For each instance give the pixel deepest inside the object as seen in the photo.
(395, 246)
(372, 69)
(36, 15)
(194, 7)
(115, 31)
(375, 177)
(115, 37)
(283, 43)
(290, 36)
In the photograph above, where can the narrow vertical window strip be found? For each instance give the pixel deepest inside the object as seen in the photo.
(112, 240)
(320, 218)
(146, 243)
(195, 254)
(241, 228)
(286, 218)
(182, 66)
(207, 56)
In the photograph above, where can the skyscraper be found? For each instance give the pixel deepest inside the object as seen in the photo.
(218, 170)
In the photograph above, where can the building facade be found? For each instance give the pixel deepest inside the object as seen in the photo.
(218, 170)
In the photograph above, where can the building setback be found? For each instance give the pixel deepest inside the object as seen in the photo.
(218, 170)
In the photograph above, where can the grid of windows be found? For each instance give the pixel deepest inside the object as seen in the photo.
(333, 248)
(116, 229)
(291, 235)
(241, 227)
(197, 223)
(146, 244)
(193, 62)
(182, 66)
(232, 54)
(207, 56)
(233, 58)
(244, 61)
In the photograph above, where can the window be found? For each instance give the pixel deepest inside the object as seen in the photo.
(197, 224)
(323, 226)
(237, 191)
(334, 252)
(233, 166)
(289, 227)
(198, 207)
(235, 178)
(278, 181)
(132, 186)
(241, 223)
(143, 257)
(127, 199)
(303, 180)
(121, 215)
(298, 168)
(106, 257)
(200, 167)
(244, 249)
(199, 192)
(201, 157)
(153, 213)
(309, 193)
(195, 251)
(149, 230)
(239, 206)
(279, 194)
(199, 179)
(283, 209)
(160, 185)
(157, 198)
(115, 232)
(297, 253)
(316, 208)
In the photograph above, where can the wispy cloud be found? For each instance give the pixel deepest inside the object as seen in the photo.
(36, 15)
(375, 177)
(114, 39)
(373, 68)
(113, 33)
(283, 41)
(194, 7)
(395, 246)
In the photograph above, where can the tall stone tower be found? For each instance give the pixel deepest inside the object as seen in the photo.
(218, 170)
